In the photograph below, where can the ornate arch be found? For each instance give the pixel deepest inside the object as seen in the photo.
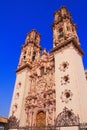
(67, 118)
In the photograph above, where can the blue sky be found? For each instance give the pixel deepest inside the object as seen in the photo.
(17, 17)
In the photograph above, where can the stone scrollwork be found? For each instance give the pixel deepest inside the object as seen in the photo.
(41, 84)
(67, 118)
(50, 118)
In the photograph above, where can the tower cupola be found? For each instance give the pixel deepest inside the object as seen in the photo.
(33, 37)
(31, 49)
(63, 27)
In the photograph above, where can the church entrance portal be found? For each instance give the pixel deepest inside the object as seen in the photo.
(41, 119)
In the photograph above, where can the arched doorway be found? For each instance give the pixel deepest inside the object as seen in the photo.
(41, 119)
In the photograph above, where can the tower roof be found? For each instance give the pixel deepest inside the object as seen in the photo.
(61, 14)
(61, 8)
(33, 30)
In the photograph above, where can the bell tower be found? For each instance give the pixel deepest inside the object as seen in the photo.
(30, 53)
(63, 28)
(70, 78)
(31, 48)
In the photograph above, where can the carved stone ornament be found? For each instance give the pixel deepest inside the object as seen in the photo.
(65, 80)
(66, 96)
(13, 122)
(63, 66)
(67, 118)
(41, 84)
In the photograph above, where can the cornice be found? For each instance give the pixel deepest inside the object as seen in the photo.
(23, 67)
(66, 43)
(24, 45)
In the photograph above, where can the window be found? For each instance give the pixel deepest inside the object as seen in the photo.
(14, 108)
(33, 57)
(42, 70)
(61, 34)
(67, 94)
(24, 57)
(18, 85)
(17, 95)
(66, 78)
(60, 30)
(73, 29)
(25, 52)
(64, 65)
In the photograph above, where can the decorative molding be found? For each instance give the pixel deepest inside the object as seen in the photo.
(65, 80)
(66, 96)
(63, 66)
(23, 67)
(73, 41)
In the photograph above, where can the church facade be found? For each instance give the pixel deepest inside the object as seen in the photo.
(51, 88)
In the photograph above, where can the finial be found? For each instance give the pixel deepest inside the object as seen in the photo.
(44, 52)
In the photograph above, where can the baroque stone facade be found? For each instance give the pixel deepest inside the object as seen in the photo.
(47, 90)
